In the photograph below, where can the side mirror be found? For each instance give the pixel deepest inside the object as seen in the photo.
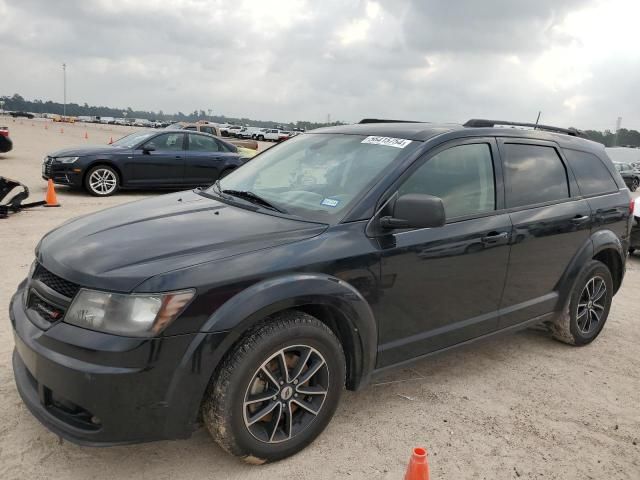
(148, 148)
(415, 210)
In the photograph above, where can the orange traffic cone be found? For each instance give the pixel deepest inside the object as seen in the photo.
(50, 198)
(418, 468)
(86, 135)
(61, 130)
(110, 140)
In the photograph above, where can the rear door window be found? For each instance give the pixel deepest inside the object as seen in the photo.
(534, 174)
(169, 142)
(202, 143)
(592, 175)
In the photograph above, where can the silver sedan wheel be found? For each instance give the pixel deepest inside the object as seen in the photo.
(286, 394)
(103, 181)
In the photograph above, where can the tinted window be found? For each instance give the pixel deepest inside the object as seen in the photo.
(461, 176)
(202, 143)
(207, 130)
(191, 128)
(534, 174)
(593, 177)
(167, 142)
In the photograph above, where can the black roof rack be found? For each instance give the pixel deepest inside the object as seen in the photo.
(383, 120)
(480, 123)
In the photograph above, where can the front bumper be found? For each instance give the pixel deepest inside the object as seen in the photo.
(95, 389)
(62, 174)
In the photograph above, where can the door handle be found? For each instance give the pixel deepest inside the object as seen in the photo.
(578, 219)
(178, 156)
(495, 237)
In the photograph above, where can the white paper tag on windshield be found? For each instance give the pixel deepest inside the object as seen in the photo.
(387, 141)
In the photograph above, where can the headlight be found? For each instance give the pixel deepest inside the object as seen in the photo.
(143, 315)
(67, 159)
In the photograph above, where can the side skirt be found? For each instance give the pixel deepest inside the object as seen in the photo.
(520, 326)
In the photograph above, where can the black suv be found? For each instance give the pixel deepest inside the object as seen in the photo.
(328, 259)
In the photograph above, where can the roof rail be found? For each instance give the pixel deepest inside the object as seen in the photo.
(383, 120)
(480, 123)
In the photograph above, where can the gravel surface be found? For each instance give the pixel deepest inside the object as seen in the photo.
(516, 406)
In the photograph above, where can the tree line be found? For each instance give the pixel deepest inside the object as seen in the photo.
(17, 103)
(623, 137)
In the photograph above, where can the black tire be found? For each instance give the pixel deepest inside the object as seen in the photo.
(587, 311)
(635, 183)
(261, 138)
(241, 378)
(110, 184)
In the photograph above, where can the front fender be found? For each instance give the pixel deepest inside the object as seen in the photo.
(270, 296)
(238, 314)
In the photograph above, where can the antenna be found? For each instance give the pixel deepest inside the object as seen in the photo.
(537, 119)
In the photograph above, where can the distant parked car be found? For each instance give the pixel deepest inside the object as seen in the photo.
(5, 142)
(234, 129)
(22, 114)
(149, 159)
(141, 122)
(630, 156)
(630, 176)
(272, 134)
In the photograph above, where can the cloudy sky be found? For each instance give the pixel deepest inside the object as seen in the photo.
(436, 60)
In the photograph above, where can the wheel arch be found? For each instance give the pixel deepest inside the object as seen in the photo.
(602, 245)
(333, 301)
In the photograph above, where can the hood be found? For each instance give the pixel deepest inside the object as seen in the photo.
(119, 248)
(87, 150)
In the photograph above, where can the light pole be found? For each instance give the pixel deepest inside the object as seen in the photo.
(64, 87)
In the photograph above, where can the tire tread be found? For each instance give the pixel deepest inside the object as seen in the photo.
(216, 402)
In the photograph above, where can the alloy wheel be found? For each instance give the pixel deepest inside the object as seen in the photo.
(591, 305)
(286, 394)
(103, 181)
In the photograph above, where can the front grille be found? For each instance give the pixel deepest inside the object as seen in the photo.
(46, 166)
(47, 311)
(60, 285)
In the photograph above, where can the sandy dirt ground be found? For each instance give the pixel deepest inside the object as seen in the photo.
(516, 406)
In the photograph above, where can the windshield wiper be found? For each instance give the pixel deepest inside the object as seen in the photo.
(253, 198)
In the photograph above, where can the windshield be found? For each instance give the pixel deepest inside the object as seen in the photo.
(316, 176)
(132, 140)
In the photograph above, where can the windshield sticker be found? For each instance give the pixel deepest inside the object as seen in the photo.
(387, 141)
(330, 202)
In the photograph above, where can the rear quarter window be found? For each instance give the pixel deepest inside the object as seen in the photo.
(592, 175)
(535, 174)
